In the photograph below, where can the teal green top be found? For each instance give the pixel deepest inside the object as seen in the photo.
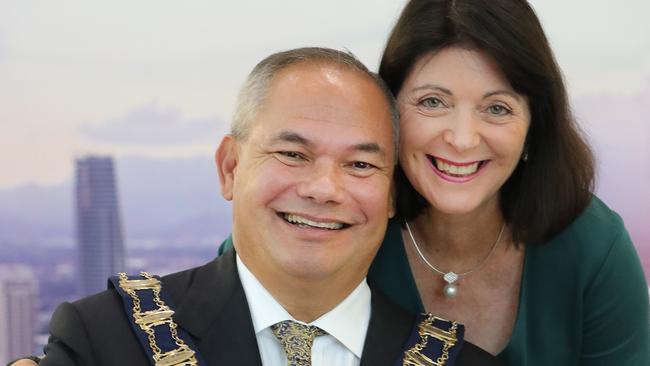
(583, 298)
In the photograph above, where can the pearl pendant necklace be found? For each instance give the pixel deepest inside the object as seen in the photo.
(451, 288)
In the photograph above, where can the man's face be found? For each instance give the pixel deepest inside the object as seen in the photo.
(311, 184)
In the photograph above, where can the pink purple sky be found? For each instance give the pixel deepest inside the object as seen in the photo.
(159, 78)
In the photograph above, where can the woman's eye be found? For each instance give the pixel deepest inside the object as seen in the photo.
(498, 110)
(431, 102)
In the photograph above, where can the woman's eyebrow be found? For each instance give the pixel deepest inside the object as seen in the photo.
(432, 87)
(503, 92)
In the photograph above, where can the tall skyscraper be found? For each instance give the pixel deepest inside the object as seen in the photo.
(99, 227)
(18, 296)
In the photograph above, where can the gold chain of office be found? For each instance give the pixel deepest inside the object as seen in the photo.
(414, 357)
(184, 356)
(162, 316)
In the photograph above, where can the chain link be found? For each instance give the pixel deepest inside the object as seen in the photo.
(414, 356)
(158, 355)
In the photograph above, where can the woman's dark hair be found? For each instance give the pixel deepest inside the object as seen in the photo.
(548, 191)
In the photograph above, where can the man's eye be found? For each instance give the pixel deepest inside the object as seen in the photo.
(362, 165)
(361, 169)
(291, 158)
(291, 154)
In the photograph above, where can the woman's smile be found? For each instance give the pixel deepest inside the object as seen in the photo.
(457, 172)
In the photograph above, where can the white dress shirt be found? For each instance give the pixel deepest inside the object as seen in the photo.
(346, 325)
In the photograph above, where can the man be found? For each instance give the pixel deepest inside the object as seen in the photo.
(308, 167)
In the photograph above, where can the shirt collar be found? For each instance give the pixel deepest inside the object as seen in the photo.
(347, 322)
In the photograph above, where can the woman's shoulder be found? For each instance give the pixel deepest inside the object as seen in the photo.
(595, 241)
(598, 218)
(597, 228)
(598, 280)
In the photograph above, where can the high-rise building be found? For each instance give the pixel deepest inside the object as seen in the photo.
(18, 296)
(99, 227)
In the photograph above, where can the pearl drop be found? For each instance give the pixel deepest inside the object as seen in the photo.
(450, 291)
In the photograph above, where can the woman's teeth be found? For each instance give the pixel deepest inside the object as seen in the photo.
(301, 221)
(456, 170)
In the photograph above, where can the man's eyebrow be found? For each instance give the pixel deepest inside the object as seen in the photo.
(290, 136)
(370, 147)
(296, 138)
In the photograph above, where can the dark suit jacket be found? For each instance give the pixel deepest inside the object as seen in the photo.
(212, 308)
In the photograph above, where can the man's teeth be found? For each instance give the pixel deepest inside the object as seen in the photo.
(455, 169)
(295, 219)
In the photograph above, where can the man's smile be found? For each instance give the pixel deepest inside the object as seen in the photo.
(302, 221)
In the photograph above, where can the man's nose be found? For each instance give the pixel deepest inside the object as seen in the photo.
(462, 133)
(323, 184)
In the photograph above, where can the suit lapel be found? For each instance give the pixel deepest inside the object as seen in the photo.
(215, 312)
(212, 307)
(388, 331)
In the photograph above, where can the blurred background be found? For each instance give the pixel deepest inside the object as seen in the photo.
(123, 103)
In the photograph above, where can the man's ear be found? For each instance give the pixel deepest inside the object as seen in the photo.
(227, 159)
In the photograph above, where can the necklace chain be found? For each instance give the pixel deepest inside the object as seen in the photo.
(479, 266)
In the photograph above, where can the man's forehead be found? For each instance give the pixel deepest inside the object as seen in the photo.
(312, 100)
(320, 90)
(330, 71)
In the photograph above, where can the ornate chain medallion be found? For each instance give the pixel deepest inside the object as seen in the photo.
(160, 317)
(427, 330)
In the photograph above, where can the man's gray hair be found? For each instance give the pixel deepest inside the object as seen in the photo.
(256, 88)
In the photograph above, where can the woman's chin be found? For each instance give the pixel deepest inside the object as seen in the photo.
(455, 205)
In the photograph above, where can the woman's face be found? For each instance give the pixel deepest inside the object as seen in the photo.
(462, 129)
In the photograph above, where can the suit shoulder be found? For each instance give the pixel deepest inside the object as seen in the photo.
(109, 304)
(92, 327)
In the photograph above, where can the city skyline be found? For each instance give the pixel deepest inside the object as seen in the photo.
(100, 241)
(18, 299)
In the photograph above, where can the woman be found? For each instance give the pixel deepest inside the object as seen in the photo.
(497, 226)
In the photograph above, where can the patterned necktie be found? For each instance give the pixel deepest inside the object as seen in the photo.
(296, 339)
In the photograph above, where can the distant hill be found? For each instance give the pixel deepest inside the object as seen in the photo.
(162, 200)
